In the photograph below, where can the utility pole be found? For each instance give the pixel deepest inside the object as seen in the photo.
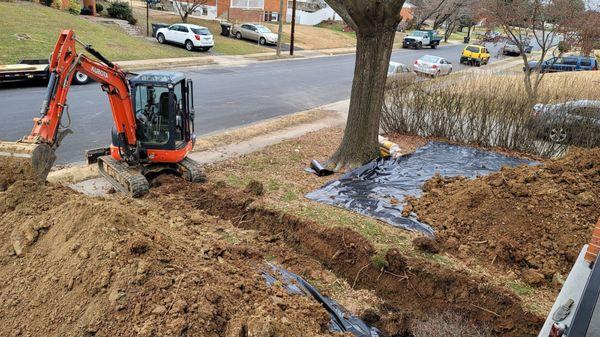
(293, 27)
(147, 15)
(280, 32)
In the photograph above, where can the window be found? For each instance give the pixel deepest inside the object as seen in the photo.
(152, 114)
(183, 29)
(570, 61)
(201, 31)
(585, 62)
(262, 29)
(271, 16)
(473, 49)
(248, 4)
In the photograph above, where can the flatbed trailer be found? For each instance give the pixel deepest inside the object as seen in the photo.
(32, 70)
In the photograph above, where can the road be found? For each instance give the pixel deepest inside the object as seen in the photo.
(225, 97)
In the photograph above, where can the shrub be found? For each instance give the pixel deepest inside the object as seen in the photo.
(86, 11)
(486, 110)
(74, 7)
(99, 7)
(132, 20)
(120, 10)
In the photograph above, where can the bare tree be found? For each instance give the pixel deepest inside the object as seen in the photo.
(441, 11)
(583, 31)
(375, 23)
(186, 7)
(541, 22)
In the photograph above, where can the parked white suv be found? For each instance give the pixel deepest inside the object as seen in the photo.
(190, 36)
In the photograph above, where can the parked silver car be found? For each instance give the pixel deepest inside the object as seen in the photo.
(255, 32)
(397, 68)
(572, 122)
(432, 65)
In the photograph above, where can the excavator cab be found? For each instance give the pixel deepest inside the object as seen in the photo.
(163, 104)
(164, 112)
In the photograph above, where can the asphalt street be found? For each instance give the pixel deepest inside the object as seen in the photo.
(225, 97)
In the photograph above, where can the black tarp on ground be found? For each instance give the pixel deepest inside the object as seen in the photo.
(341, 319)
(378, 188)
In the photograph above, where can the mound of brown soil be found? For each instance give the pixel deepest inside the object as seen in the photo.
(73, 265)
(12, 170)
(528, 219)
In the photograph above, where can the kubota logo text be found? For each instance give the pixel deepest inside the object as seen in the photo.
(99, 72)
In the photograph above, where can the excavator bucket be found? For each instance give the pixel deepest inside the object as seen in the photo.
(32, 161)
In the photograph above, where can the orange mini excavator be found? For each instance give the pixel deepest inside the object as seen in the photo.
(153, 121)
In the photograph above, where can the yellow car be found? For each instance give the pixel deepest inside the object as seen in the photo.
(475, 55)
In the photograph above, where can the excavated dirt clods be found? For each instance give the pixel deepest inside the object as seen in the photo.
(530, 220)
(411, 288)
(73, 265)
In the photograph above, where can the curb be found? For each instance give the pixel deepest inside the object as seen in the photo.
(137, 65)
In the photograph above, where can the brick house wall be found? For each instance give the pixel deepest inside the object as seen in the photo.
(594, 246)
(224, 10)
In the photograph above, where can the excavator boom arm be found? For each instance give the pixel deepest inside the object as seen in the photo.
(64, 62)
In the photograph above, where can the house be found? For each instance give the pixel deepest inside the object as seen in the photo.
(237, 10)
(90, 4)
(407, 11)
(308, 12)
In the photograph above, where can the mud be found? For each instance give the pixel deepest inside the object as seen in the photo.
(411, 288)
(80, 266)
(531, 221)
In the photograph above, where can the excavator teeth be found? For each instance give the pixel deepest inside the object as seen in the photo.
(124, 178)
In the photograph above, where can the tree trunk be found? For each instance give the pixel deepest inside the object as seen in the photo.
(360, 142)
(185, 17)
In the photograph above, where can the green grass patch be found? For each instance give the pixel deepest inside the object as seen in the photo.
(521, 288)
(31, 30)
(337, 27)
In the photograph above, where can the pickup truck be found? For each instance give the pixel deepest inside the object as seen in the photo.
(28, 70)
(422, 38)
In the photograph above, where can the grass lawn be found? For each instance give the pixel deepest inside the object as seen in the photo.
(223, 45)
(30, 31)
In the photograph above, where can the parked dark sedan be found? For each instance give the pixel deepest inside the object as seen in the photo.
(565, 63)
(573, 122)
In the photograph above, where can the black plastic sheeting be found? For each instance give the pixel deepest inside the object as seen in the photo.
(370, 189)
(341, 319)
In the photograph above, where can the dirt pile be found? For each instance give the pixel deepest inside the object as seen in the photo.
(79, 266)
(12, 170)
(531, 220)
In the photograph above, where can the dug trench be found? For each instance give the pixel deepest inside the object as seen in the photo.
(412, 288)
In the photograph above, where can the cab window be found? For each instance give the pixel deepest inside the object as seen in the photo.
(152, 114)
(179, 100)
(473, 49)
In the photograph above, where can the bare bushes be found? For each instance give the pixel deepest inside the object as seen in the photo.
(494, 111)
